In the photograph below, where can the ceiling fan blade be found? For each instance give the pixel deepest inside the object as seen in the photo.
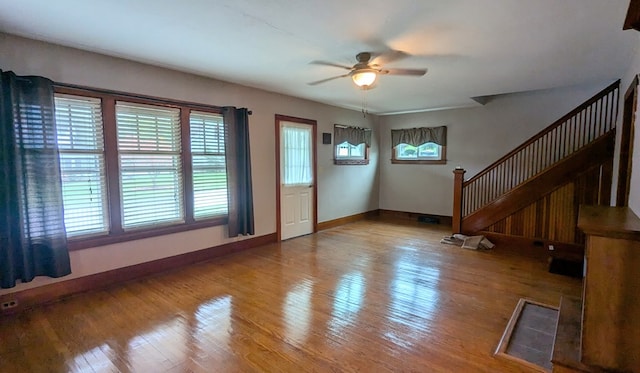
(325, 63)
(328, 79)
(412, 72)
(388, 57)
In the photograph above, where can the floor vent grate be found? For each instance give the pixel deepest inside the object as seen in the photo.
(529, 335)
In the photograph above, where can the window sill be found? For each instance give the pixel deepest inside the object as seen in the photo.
(350, 162)
(95, 241)
(419, 161)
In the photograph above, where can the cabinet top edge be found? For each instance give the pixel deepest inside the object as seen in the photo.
(607, 221)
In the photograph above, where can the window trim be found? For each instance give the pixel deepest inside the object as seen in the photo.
(352, 161)
(442, 160)
(85, 242)
(349, 161)
(116, 234)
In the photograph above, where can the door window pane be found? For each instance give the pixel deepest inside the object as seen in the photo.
(297, 156)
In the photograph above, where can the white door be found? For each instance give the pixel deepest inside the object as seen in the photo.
(296, 184)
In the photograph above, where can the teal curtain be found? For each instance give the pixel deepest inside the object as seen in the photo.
(238, 158)
(33, 240)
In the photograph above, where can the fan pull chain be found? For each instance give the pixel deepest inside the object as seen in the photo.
(364, 103)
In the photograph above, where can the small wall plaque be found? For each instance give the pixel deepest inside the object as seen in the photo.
(326, 138)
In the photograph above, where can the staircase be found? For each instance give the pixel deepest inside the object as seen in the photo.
(533, 192)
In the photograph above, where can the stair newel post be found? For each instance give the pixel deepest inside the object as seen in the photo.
(458, 179)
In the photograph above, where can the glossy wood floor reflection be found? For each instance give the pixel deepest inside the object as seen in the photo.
(372, 296)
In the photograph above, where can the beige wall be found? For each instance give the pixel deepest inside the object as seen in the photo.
(337, 197)
(476, 137)
(634, 69)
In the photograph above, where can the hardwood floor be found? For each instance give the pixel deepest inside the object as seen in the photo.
(370, 296)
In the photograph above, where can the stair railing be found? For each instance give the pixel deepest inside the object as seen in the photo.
(587, 122)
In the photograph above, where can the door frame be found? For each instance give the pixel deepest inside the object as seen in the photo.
(626, 143)
(314, 145)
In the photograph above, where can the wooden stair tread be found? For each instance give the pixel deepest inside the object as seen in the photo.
(566, 347)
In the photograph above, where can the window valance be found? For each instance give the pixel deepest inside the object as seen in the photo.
(353, 135)
(419, 136)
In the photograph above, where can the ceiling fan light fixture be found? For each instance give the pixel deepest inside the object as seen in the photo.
(364, 78)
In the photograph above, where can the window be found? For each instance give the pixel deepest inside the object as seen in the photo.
(149, 155)
(428, 151)
(348, 151)
(82, 164)
(352, 145)
(419, 145)
(209, 165)
(138, 167)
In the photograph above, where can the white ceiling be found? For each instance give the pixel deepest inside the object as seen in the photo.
(470, 47)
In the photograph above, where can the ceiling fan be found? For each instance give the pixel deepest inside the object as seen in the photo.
(365, 72)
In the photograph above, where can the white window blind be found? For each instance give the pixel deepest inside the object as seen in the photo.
(82, 165)
(208, 165)
(149, 152)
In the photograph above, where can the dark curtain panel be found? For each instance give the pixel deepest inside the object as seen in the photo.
(238, 157)
(33, 240)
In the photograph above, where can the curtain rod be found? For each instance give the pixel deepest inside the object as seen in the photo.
(360, 128)
(136, 96)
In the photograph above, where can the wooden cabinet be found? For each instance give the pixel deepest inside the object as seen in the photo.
(611, 294)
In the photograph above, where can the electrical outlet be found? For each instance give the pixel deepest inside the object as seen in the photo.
(9, 304)
(551, 248)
